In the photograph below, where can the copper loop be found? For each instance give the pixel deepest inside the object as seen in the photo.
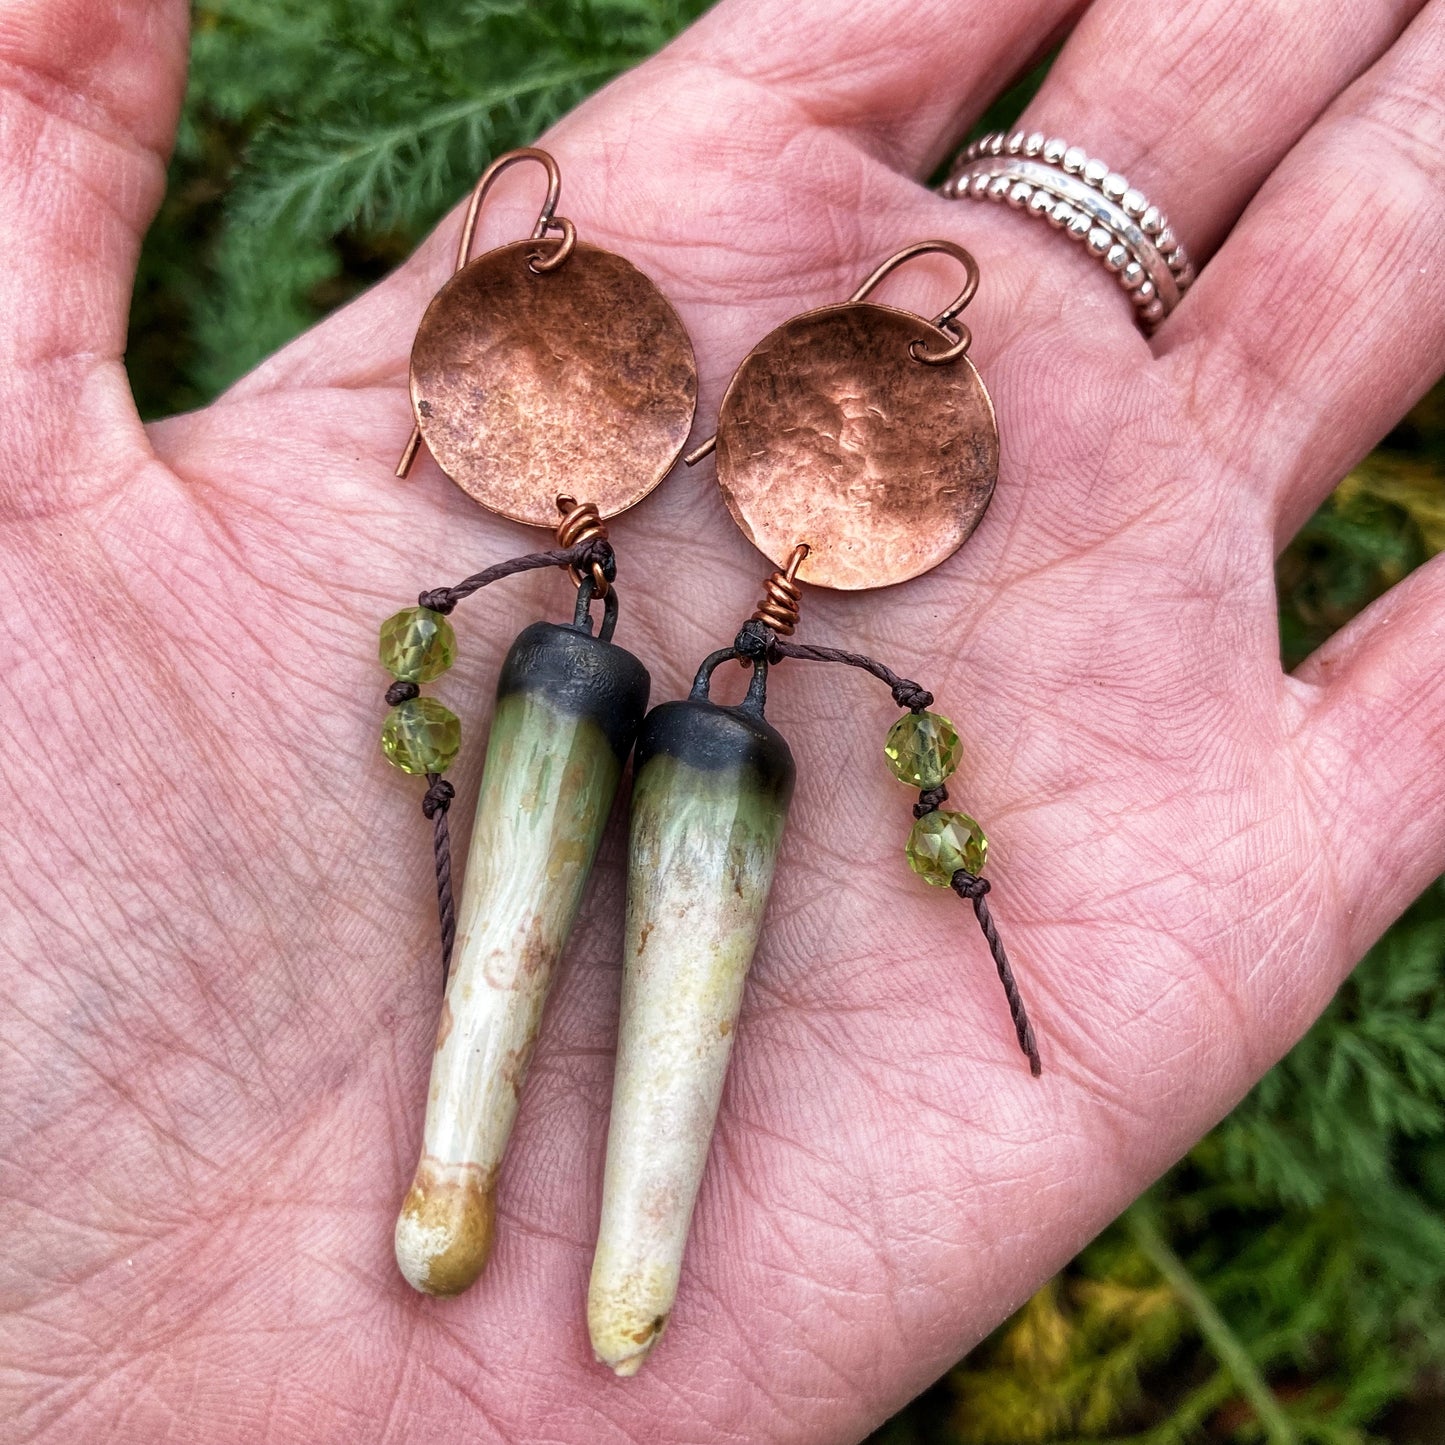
(581, 522)
(539, 262)
(952, 353)
(778, 607)
(945, 318)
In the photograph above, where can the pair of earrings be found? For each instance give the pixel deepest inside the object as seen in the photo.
(856, 447)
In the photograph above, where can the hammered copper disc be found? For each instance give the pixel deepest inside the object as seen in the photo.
(833, 435)
(579, 381)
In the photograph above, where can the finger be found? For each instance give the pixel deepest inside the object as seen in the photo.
(1323, 317)
(1197, 104)
(1374, 754)
(903, 77)
(89, 94)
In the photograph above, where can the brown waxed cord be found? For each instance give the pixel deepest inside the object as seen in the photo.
(929, 800)
(756, 640)
(905, 692)
(582, 556)
(593, 551)
(435, 804)
(972, 888)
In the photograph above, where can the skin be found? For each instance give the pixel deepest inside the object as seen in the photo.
(219, 945)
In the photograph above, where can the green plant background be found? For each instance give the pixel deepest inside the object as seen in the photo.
(1286, 1282)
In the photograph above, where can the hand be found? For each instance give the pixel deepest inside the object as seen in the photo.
(220, 949)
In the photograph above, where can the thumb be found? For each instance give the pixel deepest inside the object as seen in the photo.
(89, 95)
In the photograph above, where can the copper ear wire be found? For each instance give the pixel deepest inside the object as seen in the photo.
(545, 217)
(945, 319)
(778, 608)
(581, 522)
(539, 263)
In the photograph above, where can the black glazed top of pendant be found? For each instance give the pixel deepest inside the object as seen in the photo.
(580, 674)
(716, 738)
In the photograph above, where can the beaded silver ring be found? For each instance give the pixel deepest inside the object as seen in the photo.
(1088, 201)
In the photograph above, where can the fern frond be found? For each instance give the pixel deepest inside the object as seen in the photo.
(334, 175)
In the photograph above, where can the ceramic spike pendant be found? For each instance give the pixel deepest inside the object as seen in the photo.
(568, 708)
(709, 804)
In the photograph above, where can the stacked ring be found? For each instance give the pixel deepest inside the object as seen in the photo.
(1086, 200)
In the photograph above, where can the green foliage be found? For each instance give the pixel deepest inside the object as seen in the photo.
(1287, 1281)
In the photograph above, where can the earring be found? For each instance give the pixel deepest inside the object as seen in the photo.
(542, 371)
(856, 447)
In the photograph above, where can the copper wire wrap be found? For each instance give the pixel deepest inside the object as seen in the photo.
(778, 607)
(581, 522)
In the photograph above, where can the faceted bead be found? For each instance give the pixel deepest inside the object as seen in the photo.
(417, 644)
(421, 736)
(923, 749)
(942, 843)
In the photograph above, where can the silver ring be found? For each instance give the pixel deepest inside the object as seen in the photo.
(1086, 200)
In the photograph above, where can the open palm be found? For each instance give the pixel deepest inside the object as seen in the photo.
(219, 945)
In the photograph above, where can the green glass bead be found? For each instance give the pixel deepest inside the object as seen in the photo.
(942, 843)
(421, 736)
(922, 749)
(417, 644)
